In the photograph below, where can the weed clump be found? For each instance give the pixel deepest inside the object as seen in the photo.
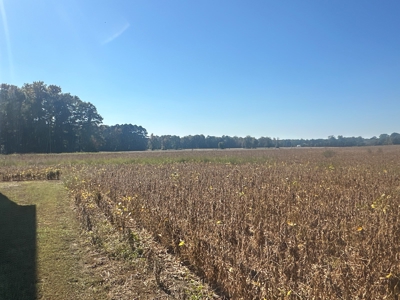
(328, 153)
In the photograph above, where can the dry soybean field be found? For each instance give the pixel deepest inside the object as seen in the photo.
(254, 224)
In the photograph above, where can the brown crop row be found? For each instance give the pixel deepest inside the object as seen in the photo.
(302, 224)
(18, 173)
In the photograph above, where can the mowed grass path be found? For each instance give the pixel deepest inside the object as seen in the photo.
(41, 252)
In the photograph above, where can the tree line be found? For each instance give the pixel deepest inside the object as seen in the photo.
(166, 142)
(40, 118)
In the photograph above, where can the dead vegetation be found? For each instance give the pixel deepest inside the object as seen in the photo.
(29, 173)
(299, 226)
(261, 224)
(132, 264)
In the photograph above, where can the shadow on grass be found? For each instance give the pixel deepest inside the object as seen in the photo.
(17, 250)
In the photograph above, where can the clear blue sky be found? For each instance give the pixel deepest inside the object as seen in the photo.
(287, 69)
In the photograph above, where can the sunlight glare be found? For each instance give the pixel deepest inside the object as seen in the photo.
(7, 40)
(117, 33)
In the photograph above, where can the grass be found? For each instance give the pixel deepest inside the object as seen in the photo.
(17, 162)
(236, 156)
(41, 254)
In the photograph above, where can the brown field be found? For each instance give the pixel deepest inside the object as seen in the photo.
(256, 224)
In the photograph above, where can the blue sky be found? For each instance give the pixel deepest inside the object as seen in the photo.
(287, 69)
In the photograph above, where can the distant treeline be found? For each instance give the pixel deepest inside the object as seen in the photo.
(166, 142)
(40, 118)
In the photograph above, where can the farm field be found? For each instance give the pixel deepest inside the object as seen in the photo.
(254, 224)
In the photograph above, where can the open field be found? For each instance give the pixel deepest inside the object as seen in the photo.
(256, 224)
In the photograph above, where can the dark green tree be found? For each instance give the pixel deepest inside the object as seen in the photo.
(154, 142)
(126, 137)
(40, 118)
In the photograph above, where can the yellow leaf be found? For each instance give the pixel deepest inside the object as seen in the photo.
(219, 222)
(389, 275)
(288, 293)
(255, 283)
(291, 223)
(181, 243)
(360, 228)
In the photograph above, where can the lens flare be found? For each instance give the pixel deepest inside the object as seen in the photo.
(7, 41)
